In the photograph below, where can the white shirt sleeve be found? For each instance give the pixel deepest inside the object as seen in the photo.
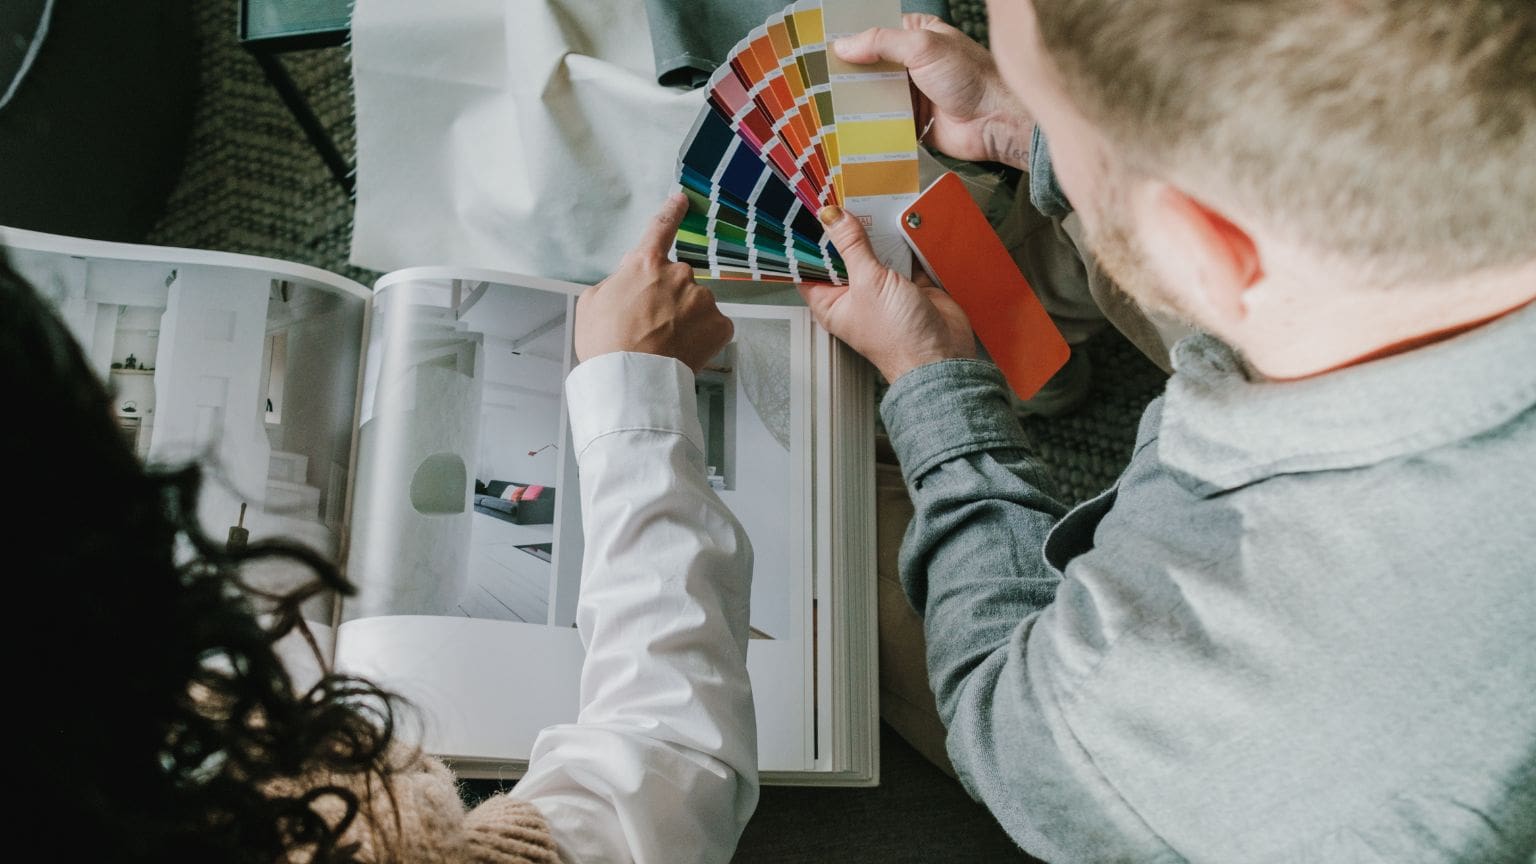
(660, 766)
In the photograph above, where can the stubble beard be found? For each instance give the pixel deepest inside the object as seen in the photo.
(1121, 255)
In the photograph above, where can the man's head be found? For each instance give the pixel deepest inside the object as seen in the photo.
(1232, 158)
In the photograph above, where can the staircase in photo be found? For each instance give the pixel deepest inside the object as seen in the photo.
(439, 339)
(287, 491)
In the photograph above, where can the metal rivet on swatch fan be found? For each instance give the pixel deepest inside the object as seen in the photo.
(914, 220)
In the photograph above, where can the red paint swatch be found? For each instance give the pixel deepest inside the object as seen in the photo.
(957, 245)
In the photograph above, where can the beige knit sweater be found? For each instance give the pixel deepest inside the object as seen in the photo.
(418, 819)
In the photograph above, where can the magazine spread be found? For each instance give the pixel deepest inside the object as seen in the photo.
(418, 433)
(465, 507)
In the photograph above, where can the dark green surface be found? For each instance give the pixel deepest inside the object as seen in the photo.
(97, 132)
(19, 24)
(275, 19)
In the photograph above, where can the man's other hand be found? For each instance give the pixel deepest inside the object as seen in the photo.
(651, 305)
(895, 322)
(975, 116)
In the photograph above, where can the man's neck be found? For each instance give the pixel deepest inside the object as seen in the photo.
(1392, 321)
(1427, 339)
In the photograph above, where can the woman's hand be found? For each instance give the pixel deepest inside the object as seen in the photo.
(651, 305)
(975, 116)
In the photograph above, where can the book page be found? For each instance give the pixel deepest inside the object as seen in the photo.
(468, 508)
(246, 365)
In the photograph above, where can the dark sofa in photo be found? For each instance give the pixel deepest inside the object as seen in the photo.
(535, 511)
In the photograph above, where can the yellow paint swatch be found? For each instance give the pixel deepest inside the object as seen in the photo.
(808, 27)
(871, 137)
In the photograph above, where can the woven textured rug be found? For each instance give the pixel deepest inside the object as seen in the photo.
(252, 184)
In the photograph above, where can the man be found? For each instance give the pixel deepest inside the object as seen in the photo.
(1299, 627)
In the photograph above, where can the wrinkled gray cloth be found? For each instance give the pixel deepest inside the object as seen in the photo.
(691, 38)
(1299, 627)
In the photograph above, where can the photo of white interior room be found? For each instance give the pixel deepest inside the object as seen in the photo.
(750, 418)
(468, 499)
(460, 507)
(517, 462)
(252, 375)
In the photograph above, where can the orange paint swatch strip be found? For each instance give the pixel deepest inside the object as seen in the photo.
(879, 178)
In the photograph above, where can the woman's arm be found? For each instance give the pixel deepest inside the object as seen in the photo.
(661, 764)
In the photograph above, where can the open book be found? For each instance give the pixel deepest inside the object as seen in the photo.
(417, 432)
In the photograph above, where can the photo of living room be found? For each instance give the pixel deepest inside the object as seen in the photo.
(459, 504)
(518, 460)
(747, 415)
(468, 501)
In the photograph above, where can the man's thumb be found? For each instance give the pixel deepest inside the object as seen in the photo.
(848, 236)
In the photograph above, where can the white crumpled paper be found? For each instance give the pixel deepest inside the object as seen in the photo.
(509, 134)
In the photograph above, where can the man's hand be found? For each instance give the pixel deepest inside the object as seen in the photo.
(652, 305)
(975, 116)
(897, 323)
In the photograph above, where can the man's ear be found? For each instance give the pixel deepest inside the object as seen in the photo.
(1223, 259)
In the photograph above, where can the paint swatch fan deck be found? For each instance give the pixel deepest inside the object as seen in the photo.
(788, 129)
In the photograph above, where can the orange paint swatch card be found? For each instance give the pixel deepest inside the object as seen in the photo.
(956, 244)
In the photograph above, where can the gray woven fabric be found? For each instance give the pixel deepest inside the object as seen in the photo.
(251, 182)
(1087, 449)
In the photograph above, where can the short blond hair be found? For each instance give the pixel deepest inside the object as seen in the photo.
(1401, 133)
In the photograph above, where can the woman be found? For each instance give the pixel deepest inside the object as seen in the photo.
(158, 724)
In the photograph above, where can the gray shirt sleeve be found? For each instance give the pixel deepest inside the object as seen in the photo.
(972, 554)
(973, 566)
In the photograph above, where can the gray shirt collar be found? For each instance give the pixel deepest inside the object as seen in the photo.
(1221, 430)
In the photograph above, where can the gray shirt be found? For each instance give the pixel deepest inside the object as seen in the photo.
(1299, 627)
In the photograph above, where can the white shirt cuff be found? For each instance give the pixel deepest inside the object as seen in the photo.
(625, 391)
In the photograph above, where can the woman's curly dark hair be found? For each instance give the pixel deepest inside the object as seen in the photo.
(157, 722)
